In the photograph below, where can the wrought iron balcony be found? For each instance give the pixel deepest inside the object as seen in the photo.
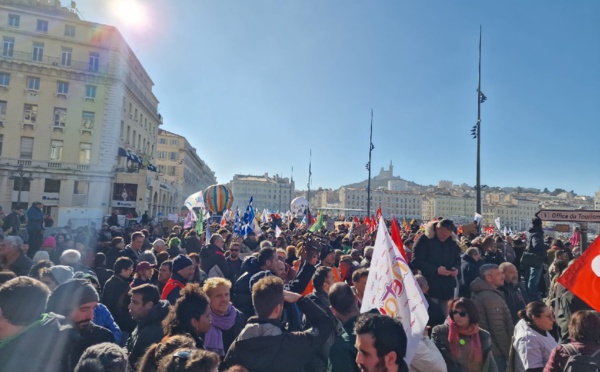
(66, 63)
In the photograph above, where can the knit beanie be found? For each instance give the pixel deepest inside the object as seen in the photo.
(70, 295)
(61, 273)
(181, 262)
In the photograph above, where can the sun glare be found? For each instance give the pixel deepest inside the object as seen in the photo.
(130, 12)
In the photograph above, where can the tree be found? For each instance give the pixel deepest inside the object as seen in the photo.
(546, 191)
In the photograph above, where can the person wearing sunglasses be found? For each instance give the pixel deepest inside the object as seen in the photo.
(464, 346)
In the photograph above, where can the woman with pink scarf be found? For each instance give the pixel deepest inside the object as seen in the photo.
(227, 321)
(464, 346)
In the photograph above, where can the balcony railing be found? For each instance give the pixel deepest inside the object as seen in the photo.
(34, 165)
(54, 62)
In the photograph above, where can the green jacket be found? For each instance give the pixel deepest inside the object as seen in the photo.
(342, 354)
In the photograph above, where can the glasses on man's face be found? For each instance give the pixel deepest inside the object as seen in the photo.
(234, 250)
(462, 314)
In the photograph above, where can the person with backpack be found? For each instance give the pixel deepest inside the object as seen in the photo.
(582, 354)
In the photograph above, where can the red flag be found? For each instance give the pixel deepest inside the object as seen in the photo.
(583, 276)
(366, 221)
(373, 224)
(378, 214)
(311, 219)
(223, 221)
(397, 238)
(356, 221)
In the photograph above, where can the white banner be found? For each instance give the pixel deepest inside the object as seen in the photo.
(194, 200)
(393, 290)
(497, 221)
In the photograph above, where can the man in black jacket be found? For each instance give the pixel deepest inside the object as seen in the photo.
(29, 339)
(12, 222)
(265, 345)
(536, 246)
(76, 300)
(213, 254)
(242, 297)
(115, 295)
(148, 311)
(437, 255)
(133, 250)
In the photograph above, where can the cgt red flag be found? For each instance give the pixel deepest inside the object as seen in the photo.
(583, 276)
(397, 238)
(378, 214)
(356, 222)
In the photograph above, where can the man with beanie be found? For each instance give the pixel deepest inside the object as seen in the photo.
(29, 339)
(182, 273)
(75, 300)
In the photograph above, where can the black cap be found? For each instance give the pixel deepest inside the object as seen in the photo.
(326, 251)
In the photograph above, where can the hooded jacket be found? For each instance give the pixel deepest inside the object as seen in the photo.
(148, 331)
(469, 271)
(264, 345)
(242, 294)
(212, 255)
(494, 315)
(429, 254)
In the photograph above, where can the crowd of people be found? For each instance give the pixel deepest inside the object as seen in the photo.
(148, 297)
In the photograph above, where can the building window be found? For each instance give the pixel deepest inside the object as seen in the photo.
(161, 169)
(25, 184)
(88, 119)
(94, 61)
(162, 155)
(171, 170)
(4, 79)
(2, 112)
(38, 52)
(30, 114)
(80, 188)
(51, 185)
(85, 153)
(33, 83)
(70, 30)
(174, 142)
(65, 57)
(172, 155)
(1, 141)
(42, 25)
(56, 149)
(62, 87)
(60, 117)
(26, 148)
(162, 141)
(14, 20)
(90, 91)
(8, 46)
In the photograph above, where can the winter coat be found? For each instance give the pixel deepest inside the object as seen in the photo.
(116, 298)
(560, 356)
(85, 338)
(439, 335)
(173, 287)
(264, 345)
(469, 270)
(536, 242)
(12, 220)
(130, 253)
(111, 256)
(429, 254)
(516, 298)
(35, 220)
(242, 294)
(42, 347)
(532, 347)
(495, 258)
(212, 255)
(342, 354)
(104, 318)
(494, 315)
(148, 331)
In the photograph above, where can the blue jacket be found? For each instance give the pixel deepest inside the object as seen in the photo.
(35, 219)
(103, 318)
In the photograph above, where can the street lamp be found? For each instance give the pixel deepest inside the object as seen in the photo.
(19, 178)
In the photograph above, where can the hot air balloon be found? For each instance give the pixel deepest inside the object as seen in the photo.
(218, 198)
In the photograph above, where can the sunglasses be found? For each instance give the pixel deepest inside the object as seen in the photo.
(234, 250)
(460, 313)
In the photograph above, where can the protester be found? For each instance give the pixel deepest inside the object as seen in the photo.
(234, 262)
(190, 315)
(76, 300)
(55, 276)
(133, 250)
(469, 270)
(434, 310)
(583, 352)
(30, 339)
(143, 274)
(12, 222)
(164, 273)
(534, 256)
(514, 291)
(148, 311)
(226, 321)
(115, 294)
(342, 354)
(157, 351)
(214, 255)
(437, 255)
(494, 314)
(105, 356)
(464, 345)
(181, 274)
(532, 341)
(381, 343)
(264, 344)
(359, 283)
(12, 255)
(242, 296)
(35, 228)
(117, 245)
(189, 360)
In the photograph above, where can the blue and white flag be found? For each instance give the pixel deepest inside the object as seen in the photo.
(248, 219)
(237, 225)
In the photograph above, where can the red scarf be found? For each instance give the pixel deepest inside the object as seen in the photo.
(474, 347)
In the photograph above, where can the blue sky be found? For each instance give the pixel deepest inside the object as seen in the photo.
(254, 85)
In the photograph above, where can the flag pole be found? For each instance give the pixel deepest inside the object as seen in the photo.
(309, 177)
(479, 96)
(371, 147)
